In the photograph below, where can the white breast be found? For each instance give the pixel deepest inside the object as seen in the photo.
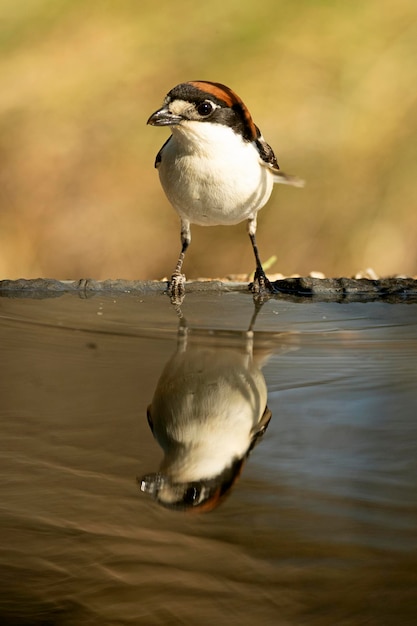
(211, 176)
(204, 409)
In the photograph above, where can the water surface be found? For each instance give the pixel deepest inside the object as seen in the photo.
(320, 527)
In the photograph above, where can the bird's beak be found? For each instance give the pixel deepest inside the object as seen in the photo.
(152, 483)
(164, 117)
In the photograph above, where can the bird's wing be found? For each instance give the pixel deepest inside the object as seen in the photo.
(259, 428)
(149, 416)
(265, 152)
(269, 159)
(158, 158)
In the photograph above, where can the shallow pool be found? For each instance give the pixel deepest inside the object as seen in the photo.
(320, 525)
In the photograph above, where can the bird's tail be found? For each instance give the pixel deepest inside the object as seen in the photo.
(286, 179)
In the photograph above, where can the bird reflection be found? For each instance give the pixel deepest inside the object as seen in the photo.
(208, 411)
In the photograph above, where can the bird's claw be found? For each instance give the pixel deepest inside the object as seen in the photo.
(261, 285)
(176, 288)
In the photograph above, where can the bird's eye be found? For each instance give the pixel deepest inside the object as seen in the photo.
(191, 495)
(205, 108)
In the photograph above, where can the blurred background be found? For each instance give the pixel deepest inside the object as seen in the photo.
(332, 86)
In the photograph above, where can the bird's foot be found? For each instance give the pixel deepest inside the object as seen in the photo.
(261, 285)
(176, 288)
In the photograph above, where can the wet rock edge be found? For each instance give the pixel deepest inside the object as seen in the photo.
(390, 289)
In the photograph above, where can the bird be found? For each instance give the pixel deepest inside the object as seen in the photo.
(208, 412)
(216, 167)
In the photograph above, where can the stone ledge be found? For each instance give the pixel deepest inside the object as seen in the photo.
(307, 288)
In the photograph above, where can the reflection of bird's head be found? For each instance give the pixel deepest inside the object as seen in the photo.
(202, 494)
(197, 496)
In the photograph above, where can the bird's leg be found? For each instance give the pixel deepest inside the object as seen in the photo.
(258, 304)
(261, 284)
(177, 283)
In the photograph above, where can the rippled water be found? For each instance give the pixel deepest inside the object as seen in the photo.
(318, 529)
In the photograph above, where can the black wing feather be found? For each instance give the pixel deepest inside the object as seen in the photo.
(265, 152)
(158, 158)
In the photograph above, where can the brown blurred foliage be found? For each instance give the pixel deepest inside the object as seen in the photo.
(332, 85)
